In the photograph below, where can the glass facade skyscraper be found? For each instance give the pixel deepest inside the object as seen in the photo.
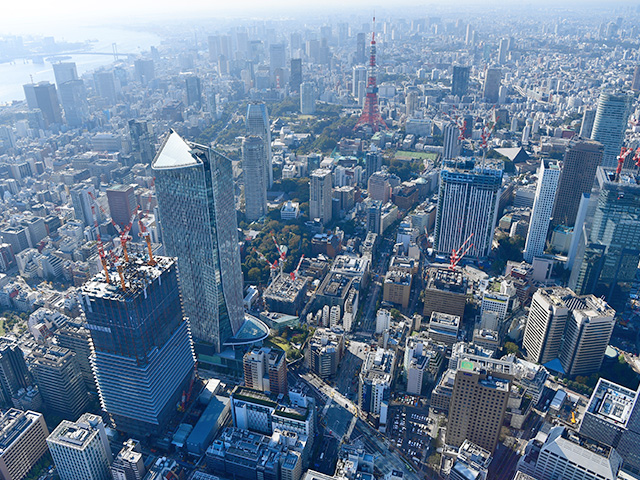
(194, 186)
(610, 123)
(607, 259)
(142, 351)
(257, 123)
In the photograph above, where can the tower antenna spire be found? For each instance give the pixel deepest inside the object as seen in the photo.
(370, 112)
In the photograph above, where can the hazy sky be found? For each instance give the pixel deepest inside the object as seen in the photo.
(38, 15)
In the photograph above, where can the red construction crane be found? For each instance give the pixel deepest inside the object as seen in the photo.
(295, 272)
(124, 233)
(273, 266)
(281, 253)
(624, 153)
(457, 255)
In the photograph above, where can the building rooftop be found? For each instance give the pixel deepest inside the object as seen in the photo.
(175, 153)
(13, 423)
(76, 434)
(137, 273)
(612, 403)
(254, 396)
(445, 279)
(444, 319)
(285, 288)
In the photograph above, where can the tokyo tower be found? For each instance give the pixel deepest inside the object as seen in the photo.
(370, 112)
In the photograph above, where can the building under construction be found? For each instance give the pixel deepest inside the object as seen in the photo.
(143, 357)
(445, 292)
(286, 294)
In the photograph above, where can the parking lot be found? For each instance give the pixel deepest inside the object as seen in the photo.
(409, 430)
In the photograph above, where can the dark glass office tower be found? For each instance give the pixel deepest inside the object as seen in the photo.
(142, 352)
(607, 259)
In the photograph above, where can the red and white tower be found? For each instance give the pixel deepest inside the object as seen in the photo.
(370, 112)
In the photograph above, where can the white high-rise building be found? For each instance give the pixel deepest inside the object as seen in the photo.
(359, 75)
(383, 320)
(586, 335)
(545, 324)
(572, 329)
(81, 449)
(467, 207)
(610, 124)
(334, 316)
(307, 98)
(548, 175)
(503, 51)
(321, 195)
(254, 160)
(451, 132)
(257, 123)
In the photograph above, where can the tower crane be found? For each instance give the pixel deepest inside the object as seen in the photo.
(122, 232)
(294, 274)
(624, 153)
(457, 255)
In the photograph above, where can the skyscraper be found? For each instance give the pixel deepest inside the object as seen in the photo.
(277, 60)
(360, 48)
(81, 449)
(82, 202)
(73, 96)
(578, 173)
(467, 206)
(373, 164)
(574, 329)
(14, 374)
(295, 79)
(105, 83)
(478, 402)
(142, 141)
(193, 89)
(43, 95)
(194, 185)
(60, 381)
(359, 75)
(122, 203)
(548, 175)
(608, 254)
(635, 84)
(586, 127)
(451, 144)
(503, 50)
(307, 98)
(144, 70)
(257, 123)
(491, 88)
(321, 195)
(142, 351)
(65, 72)
(254, 159)
(460, 80)
(610, 124)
